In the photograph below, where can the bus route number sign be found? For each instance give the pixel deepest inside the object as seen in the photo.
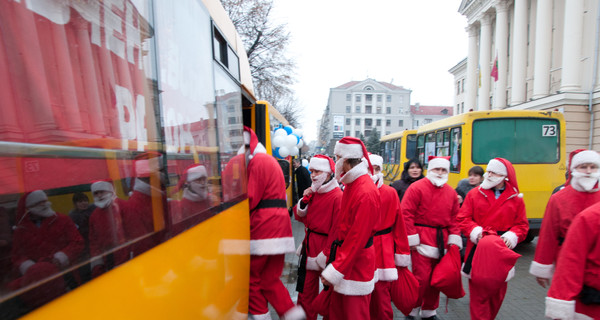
(549, 130)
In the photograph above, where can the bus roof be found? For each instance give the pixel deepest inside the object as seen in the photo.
(397, 135)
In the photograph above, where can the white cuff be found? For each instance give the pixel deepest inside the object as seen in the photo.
(541, 270)
(511, 237)
(295, 313)
(559, 309)
(299, 250)
(414, 240)
(322, 260)
(25, 265)
(402, 260)
(456, 240)
(475, 233)
(62, 258)
(332, 275)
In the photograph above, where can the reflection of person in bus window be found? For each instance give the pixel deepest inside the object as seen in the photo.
(81, 214)
(196, 198)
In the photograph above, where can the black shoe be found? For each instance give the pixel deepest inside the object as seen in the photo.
(434, 317)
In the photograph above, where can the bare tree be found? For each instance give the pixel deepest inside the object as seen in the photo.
(272, 71)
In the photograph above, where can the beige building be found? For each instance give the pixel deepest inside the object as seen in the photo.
(547, 59)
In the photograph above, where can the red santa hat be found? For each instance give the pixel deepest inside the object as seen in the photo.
(438, 162)
(195, 171)
(322, 163)
(505, 168)
(147, 163)
(251, 140)
(376, 160)
(102, 185)
(584, 156)
(571, 156)
(35, 197)
(352, 148)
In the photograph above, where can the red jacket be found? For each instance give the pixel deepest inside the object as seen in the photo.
(107, 233)
(384, 244)
(562, 207)
(353, 271)
(578, 265)
(426, 204)
(270, 227)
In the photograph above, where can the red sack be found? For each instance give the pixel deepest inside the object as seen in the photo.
(446, 275)
(492, 262)
(321, 302)
(405, 291)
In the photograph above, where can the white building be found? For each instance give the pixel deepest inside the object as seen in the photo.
(460, 80)
(546, 53)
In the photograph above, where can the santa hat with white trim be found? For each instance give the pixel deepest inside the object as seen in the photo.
(438, 162)
(35, 197)
(196, 171)
(376, 160)
(251, 140)
(496, 166)
(585, 156)
(322, 163)
(147, 163)
(352, 148)
(504, 167)
(102, 185)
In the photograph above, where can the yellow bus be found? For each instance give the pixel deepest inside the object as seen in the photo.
(534, 141)
(90, 90)
(396, 149)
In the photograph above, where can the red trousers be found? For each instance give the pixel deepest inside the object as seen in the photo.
(429, 297)
(381, 301)
(483, 304)
(310, 292)
(266, 287)
(343, 307)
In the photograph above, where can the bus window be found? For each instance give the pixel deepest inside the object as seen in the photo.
(397, 151)
(442, 143)
(523, 140)
(421, 149)
(455, 148)
(411, 146)
(429, 147)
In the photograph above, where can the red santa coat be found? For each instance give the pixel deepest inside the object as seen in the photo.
(270, 227)
(353, 271)
(481, 210)
(578, 265)
(40, 244)
(384, 243)
(426, 204)
(562, 207)
(320, 215)
(106, 233)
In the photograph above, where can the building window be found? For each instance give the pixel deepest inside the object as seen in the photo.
(368, 123)
(367, 133)
(356, 134)
(426, 121)
(369, 98)
(348, 97)
(458, 108)
(401, 98)
(462, 107)
(388, 98)
(368, 109)
(388, 122)
(357, 122)
(378, 110)
(388, 132)
(357, 98)
(379, 98)
(457, 87)
(463, 86)
(348, 109)
(388, 110)
(378, 122)
(400, 123)
(348, 121)
(347, 133)
(357, 109)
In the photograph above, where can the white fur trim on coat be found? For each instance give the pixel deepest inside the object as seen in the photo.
(332, 275)
(541, 270)
(475, 233)
(511, 237)
(234, 247)
(388, 274)
(402, 260)
(456, 240)
(510, 275)
(96, 261)
(311, 264)
(322, 260)
(62, 258)
(266, 316)
(301, 212)
(261, 247)
(560, 309)
(25, 265)
(332, 184)
(295, 313)
(299, 250)
(356, 288)
(428, 251)
(414, 240)
(359, 170)
(428, 313)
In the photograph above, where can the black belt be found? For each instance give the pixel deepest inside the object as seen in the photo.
(338, 243)
(384, 231)
(561, 240)
(469, 261)
(303, 257)
(439, 237)
(271, 203)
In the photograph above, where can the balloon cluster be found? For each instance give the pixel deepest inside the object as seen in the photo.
(286, 141)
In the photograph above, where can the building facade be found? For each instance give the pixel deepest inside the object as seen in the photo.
(460, 80)
(427, 114)
(535, 54)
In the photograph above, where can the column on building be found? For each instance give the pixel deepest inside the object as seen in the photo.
(572, 41)
(519, 54)
(543, 42)
(485, 47)
(472, 62)
(501, 53)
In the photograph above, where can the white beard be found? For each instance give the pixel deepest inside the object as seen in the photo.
(105, 201)
(338, 169)
(584, 182)
(318, 181)
(490, 182)
(195, 192)
(43, 212)
(437, 180)
(377, 179)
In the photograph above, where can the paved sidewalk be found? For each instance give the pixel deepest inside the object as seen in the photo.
(524, 298)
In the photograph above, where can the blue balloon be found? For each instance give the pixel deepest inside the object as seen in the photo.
(276, 153)
(297, 138)
(288, 129)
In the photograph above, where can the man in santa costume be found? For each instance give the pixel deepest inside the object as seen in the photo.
(495, 206)
(575, 289)
(106, 230)
(352, 274)
(318, 209)
(44, 242)
(384, 243)
(270, 234)
(580, 192)
(429, 208)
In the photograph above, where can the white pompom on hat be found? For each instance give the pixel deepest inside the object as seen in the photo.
(196, 172)
(102, 186)
(439, 162)
(497, 167)
(586, 156)
(322, 163)
(35, 197)
(376, 160)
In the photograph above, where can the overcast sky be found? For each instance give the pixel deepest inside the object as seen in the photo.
(410, 43)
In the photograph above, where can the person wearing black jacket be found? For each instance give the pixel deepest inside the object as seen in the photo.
(413, 171)
(302, 178)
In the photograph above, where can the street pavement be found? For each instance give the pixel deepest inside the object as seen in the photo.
(524, 298)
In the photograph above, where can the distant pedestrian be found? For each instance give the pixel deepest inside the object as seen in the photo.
(413, 171)
(467, 184)
(302, 178)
